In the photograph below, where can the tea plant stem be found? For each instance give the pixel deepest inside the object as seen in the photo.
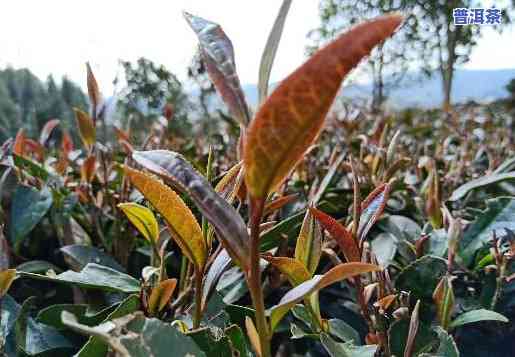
(254, 278)
(183, 273)
(198, 299)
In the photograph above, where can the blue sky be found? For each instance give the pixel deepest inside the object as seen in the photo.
(57, 36)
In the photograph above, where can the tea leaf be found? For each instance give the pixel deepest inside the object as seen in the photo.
(278, 203)
(31, 167)
(340, 234)
(19, 143)
(175, 170)
(183, 226)
(228, 186)
(475, 316)
(372, 209)
(309, 243)
(93, 91)
(398, 333)
(137, 336)
(343, 331)
(290, 119)
(217, 268)
(88, 169)
(447, 347)
(480, 182)
(294, 270)
(47, 130)
(338, 273)
(421, 277)
(93, 276)
(443, 297)
(6, 279)
(161, 295)
(498, 215)
(253, 336)
(412, 332)
(78, 256)
(218, 54)
(87, 130)
(272, 44)
(29, 206)
(96, 347)
(143, 219)
(348, 349)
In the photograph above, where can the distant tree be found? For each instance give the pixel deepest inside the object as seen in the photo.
(27, 102)
(389, 62)
(428, 39)
(511, 89)
(149, 87)
(446, 45)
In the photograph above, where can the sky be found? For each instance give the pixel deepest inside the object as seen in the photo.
(57, 36)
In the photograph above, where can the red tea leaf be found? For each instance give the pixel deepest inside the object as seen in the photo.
(290, 119)
(340, 234)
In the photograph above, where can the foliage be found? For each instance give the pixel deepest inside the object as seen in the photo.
(384, 235)
(27, 102)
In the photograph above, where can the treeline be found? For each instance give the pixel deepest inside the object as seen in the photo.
(27, 102)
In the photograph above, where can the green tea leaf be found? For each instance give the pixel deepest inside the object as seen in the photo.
(309, 243)
(268, 56)
(475, 316)
(77, 256)
(421, 277)
(29, 206)
(480, 182)
(93, 276)
(498, 215)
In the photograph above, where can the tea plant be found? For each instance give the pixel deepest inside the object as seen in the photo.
(341, 242)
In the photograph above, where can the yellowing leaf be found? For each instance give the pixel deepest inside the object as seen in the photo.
(253, 336)
(178, 172)
(294, 270)
(338, 273)
(6, 279)
(230, 183)
(443, 297)
(143, 219)
(87, 130)
(290, 119)
(309, 243)
(161, 295)
(183, 226)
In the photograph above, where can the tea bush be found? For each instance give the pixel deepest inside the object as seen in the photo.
(340, 234)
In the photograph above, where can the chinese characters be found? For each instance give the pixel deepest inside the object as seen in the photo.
(477, 16)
